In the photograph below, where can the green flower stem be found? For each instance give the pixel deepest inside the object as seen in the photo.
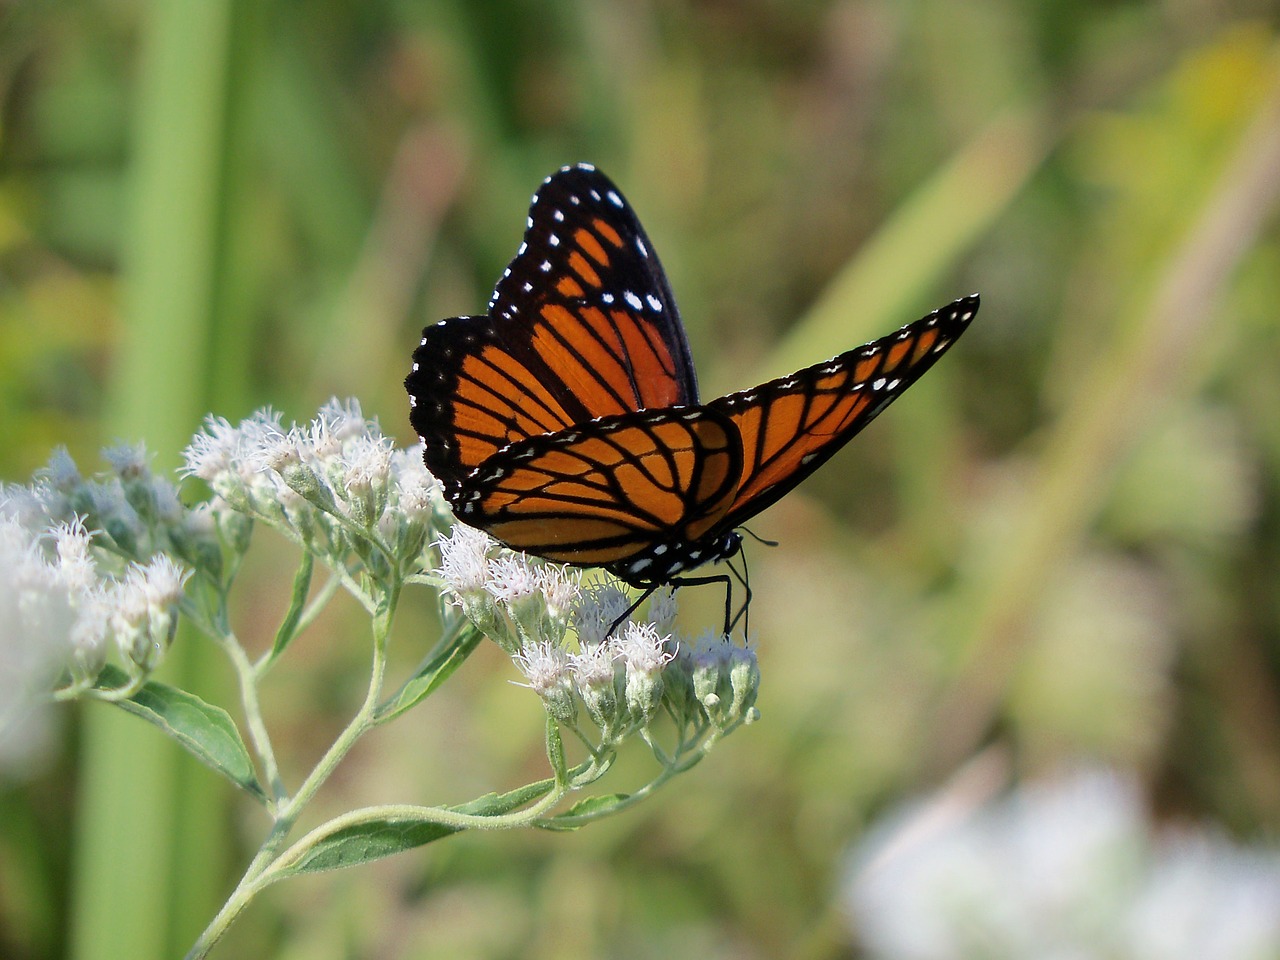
(256, 876)
(248, 679)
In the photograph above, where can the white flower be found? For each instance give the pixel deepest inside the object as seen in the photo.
(71, 543)
(60, 471)
(211, 453)
(464, 559)
(662, 609)
(129, 460)
(343, 419)
(643, 649)
(366, 462)
(417, 491)
(599, 607)
(1071, 867)
(545, 665)
(511, 579)
(560, 587)
(550, 676)
(593, 665)
(36, 617)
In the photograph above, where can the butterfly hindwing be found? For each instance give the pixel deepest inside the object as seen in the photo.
(791, 426)
(582, 325)
(609, 489)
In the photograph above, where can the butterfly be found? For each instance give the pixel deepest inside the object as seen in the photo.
(565, 421)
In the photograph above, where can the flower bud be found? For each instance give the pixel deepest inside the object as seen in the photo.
(551, 678)
(710, 682)
(645, 654)
(596, 677)
(744, 682)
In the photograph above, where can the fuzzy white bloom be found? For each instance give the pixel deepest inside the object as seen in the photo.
(417, 491)
(644, 649)
(464, 559)
(229, 458)
(550, 675)
(662, 609)
(130, 461)
(163, 579)
(366, 461)
(511, 579)
(545, 665)
(278, 450)
(560, 587)
(598, 608)
(343, 419)
(212, 451)
(1067, 868)
(593, 665)
(71, 543)
(36, 618)
(323, 444)
(61, 471)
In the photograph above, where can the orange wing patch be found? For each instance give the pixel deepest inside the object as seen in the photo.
(602, 497)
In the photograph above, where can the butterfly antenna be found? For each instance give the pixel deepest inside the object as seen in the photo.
(759, 539)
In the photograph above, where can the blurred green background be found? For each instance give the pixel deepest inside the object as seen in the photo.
(1063, 542)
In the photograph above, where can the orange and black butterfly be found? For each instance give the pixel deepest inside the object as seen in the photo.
(566, 420)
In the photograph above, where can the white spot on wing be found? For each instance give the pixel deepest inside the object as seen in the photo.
(615, 199)
(654, 303)
(632, 300)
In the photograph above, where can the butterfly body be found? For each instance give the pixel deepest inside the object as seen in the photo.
(566, 421)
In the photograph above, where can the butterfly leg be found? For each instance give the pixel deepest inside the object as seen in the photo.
(646, 593)
(724, 578)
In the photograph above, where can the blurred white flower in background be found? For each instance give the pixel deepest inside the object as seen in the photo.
(1070, 867)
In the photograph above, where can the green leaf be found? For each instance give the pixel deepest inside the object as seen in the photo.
(435, 672)
(289, 626)
(207, 732)
(584, 810)
(375, 839)
(555, 751)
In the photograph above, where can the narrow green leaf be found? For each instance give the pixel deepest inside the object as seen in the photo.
(289, 626)
(375, 839)
(207, 732)
(431, 675)
(584, 810)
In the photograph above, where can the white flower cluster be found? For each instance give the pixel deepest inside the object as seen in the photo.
(626, 667)
(1066, 868)
(64, 605)
(336, 484)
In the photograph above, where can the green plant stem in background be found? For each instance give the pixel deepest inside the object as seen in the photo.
(138, 823)
(935, 226)
(1131, 380)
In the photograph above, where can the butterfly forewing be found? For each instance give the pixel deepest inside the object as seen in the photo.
(604, 493)
(791, 426)
(581, 325)
(593, 300)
